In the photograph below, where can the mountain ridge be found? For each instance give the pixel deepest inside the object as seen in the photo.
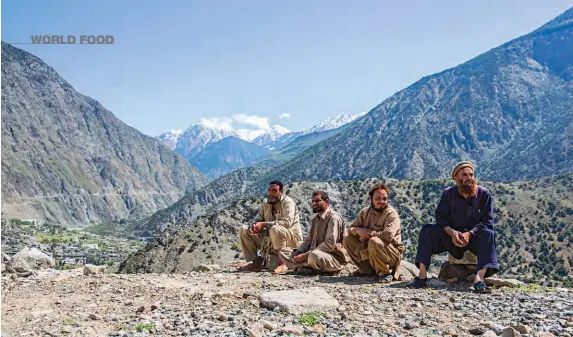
(226, 155)
(67, 159)
(479, 110)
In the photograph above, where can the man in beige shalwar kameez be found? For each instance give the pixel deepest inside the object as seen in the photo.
(374, 240)
(276, 229)
(322, 250)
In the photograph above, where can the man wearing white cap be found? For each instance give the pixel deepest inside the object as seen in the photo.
(464, 221)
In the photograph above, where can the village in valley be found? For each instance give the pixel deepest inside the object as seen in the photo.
(69, 247)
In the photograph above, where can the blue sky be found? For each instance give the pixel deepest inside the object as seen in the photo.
(175, 62)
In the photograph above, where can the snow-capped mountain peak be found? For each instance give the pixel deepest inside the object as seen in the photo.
(248, 134)
(197, 136)
(334, 122)
(214, 124)
(170, 138)
(271, 135)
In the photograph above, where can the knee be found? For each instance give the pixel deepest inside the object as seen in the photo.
(313, 258)
(485, 234)
(375, 242)
(243, 230)
(349, 241)
(277, 232)
(426, 230)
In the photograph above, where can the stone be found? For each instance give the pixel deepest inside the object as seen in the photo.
(299, 301)
(154, 306)
(293, 330)
(501, 282)
(522, 328)
(452, 332)
(256, 330)
(90, 269)
(33, 258)
(202, 268)
(510, 332)
(319, 329)
(268, 325)
(459, 271)
(437, 284)
(477, 331)
(468, 258)
(408, 271)
(489, 333)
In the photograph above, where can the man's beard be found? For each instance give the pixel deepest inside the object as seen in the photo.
(318, 209)
(375, 208)
(468, 190)
(272, 200)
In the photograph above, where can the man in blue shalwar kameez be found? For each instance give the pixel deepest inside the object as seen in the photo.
(464, 221)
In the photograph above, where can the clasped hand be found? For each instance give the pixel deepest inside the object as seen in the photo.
(460, 239)
(365, 234)
(257, 227)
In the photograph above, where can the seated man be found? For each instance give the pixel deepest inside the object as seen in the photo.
(322, 249)
(464, 220)
(374, 240)
(278, 222)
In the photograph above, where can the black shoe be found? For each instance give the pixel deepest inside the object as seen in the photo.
(305, 271)
(481, 287)
(386, 278)
(418, 283)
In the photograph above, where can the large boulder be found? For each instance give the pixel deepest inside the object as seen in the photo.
(299, 301)
(456, 271)
(90, 269)
(469, 258)
(503, 282)
(30, 259)
(408, 271)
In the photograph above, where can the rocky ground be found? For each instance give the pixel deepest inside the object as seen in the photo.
(222, 302)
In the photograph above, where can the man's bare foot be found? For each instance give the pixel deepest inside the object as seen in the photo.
(256, 265)
(281, 269)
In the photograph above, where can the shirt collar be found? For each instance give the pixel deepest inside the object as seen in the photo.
(323, 216)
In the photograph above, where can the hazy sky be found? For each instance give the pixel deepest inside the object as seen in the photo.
(174, 62)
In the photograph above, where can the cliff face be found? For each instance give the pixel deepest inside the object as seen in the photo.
(67, 159)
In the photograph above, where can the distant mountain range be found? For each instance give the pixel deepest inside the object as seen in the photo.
(194, 143)
(227, 155)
